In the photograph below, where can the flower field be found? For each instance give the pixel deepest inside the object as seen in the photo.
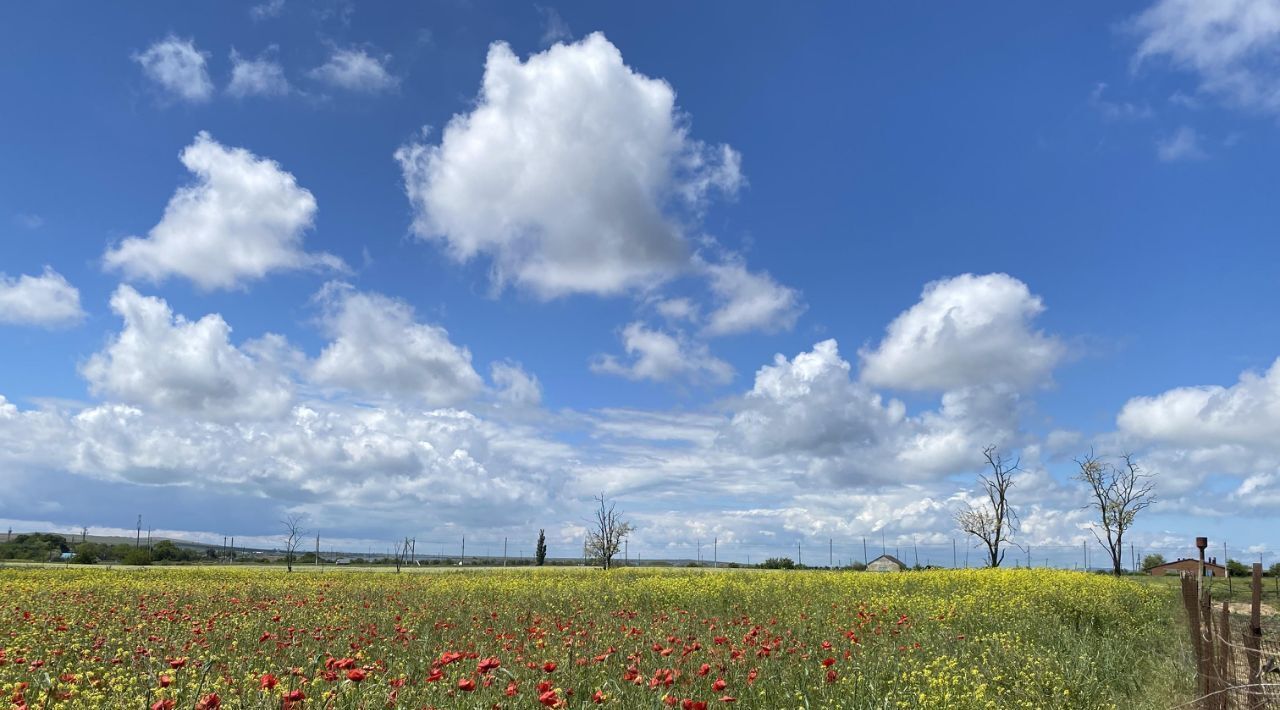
(244, 638)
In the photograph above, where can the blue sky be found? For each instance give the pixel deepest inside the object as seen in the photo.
(427, 270)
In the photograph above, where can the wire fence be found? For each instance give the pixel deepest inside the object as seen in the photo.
(830, 552)
(1232, 672)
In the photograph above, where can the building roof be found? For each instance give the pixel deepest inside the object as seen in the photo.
(890, 558)
(1184, 560)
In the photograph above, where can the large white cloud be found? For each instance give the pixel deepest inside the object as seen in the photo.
(178, 67)
(46, 300)
(380, 350)
(660, 356)
(965, 331)
(1233, 46)
(343, 465)
(243, 218)
(167, 363)
(1246, 413)
(573, 172)
(815, 419)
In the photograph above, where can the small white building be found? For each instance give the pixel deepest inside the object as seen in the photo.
(886, 563)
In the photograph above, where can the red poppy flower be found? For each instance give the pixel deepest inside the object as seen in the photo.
(549, 666)
(355, 675)
(268, 682)
(718, 685)
(550, 699)
(466, 685)
(598, 697)
(209, 702)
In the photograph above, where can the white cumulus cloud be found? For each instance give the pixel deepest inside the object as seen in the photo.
(749, 301)
(660, 356)
(380, 350)
(47, 300)
(167, 363)
(178, 67)
(243, 218)
(574, 173)
(1232, 46)
(356, 70)
(256, 77)
(965, 331)
(515, 386)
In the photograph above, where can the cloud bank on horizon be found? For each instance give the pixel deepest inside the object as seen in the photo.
(586, 293)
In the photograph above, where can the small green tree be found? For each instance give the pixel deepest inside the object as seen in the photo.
(137, 556)
(1274, 570)
(87, 553)
(540, 552)
(1152, 560)
(779, 563)
(1236, 568)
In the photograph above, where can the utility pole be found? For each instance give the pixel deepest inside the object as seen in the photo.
(137, 541)
(954, 557)
(915, 548)
(799, 559)
(148, 537)
(715, 552)
(883, 550)
(626, 552)
(317, 550)
(463, 563)
(504, 552)
(830, 553)
(865, 559)
(1028, 557)
(233, 549)
(699, 544)
(1225, 559)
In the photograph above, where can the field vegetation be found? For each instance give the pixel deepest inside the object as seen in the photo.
(84, 637)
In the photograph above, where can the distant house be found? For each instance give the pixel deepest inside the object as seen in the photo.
(1177, 567)
(342, 561)
(886, 563)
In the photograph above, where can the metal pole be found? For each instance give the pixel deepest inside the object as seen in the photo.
(954, 557)
(715, 552)
(1225, 559)
(463, 563)
(830, 554)
(504, 552)
(865, 559)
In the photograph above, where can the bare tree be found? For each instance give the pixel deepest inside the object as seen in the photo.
(607, 532)
(1120, 492)
(994, 521)
(293, 534)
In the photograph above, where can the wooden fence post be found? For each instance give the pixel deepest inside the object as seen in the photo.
(1209, 651)
(1253, 640)
(1226, 678)
(1190, 592)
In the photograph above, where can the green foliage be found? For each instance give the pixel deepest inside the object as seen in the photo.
(858, 566)
(136, 556)
(166, 551)
(88, 553)
(1152, 560)
(778, 563)
(37, 547)
(1274, 570)
(1236, 568)
(540, 553)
